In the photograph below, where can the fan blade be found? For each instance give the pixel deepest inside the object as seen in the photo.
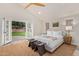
(39, 4)
(36, 4)
(28, 5)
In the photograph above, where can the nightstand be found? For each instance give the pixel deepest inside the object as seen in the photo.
(67, 39)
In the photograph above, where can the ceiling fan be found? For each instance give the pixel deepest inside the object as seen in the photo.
(36, 4)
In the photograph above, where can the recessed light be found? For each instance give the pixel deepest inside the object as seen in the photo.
(39, 12)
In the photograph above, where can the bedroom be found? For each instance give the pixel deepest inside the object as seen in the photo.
(53, 19)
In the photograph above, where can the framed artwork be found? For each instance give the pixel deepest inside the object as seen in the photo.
(56, 24)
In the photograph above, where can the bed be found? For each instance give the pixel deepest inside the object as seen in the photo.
(53, 40)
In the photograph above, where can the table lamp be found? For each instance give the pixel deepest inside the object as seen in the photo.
(68, 29)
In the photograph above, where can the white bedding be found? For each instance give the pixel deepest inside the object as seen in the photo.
(54, 44)
(51, 43)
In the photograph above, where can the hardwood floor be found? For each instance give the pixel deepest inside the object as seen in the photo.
(20, 48)
(64, 50)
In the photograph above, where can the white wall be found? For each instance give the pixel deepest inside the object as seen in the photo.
(61, 20)
(51, 24)
(16, 12)
(0, 32)
(75, 30)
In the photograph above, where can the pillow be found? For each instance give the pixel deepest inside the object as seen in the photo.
(57, 33)
(50, 38)
(54, 33)
(49, 33)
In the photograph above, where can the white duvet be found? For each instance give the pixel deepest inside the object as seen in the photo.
(51, 43)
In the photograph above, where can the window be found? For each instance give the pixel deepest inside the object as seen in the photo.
(69, 22)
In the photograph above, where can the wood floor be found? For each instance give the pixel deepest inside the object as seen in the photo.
(21, 48)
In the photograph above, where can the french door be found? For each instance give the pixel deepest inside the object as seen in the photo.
(29, 30)
(7, 31)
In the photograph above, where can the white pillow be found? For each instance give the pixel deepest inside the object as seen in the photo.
(57, 33)
(49, 33)
(54, 33)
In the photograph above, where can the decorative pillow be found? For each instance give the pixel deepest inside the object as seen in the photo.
(54, 33)
(51, 37)
(49, 33)
(57, 33)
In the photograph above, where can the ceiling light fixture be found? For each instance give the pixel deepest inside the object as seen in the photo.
(39, 12)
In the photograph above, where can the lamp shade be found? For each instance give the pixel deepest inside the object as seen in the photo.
(68, 27)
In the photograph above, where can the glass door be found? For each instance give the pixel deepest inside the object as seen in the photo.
(29, 30)
(7, 31)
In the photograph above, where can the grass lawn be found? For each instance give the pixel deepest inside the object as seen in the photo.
(18, 33)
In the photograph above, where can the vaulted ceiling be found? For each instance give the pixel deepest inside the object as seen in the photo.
(54, 10)
(49, 12)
